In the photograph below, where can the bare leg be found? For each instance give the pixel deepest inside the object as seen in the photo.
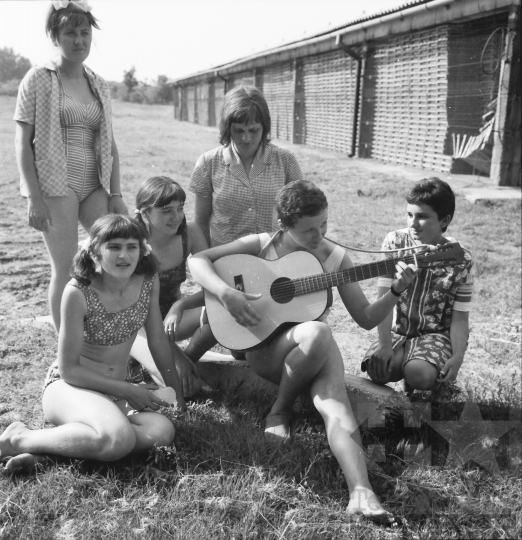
(93, 207)
(62, 244)
(89, 425)
(420, 375)
(306, 356)
(62, 239)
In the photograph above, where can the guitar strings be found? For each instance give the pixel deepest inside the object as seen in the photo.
(288, 287)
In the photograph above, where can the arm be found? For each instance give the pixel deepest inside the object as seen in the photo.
(236, 302)
(379, 366)
(175, 314)
(116, 204)
(203, 211)
(459, 334)
(369, 315)
(196, 239)
(37, 212)
(160, 348)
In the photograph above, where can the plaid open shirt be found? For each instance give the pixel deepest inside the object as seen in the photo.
(242, 205)
(38, 105)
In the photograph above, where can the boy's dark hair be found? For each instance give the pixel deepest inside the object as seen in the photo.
(298, 199)
(72, 15)
(159, 191)
(244, 104)
(108, 228)
(436, 194)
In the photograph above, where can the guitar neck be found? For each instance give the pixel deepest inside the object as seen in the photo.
(361, 272)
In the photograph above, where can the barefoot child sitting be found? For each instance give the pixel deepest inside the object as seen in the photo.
(305, 357)
(160, 207)
(96, 413)
(425, 343)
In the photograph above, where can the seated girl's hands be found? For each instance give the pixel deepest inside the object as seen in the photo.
(172, 321)
(140, 396)
(187, 373)
(404, 276)
(238, 305)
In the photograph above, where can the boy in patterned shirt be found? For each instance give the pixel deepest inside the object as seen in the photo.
(423, 341)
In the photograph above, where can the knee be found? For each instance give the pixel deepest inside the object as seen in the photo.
(316, 335)
(116, 444)
(161, 431)
(420, 375)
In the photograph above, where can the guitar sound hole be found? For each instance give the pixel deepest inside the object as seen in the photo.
(282, 290)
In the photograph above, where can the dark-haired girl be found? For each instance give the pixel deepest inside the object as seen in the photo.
(160, 206)
(305, 357)
(97, 414)
(65, 150)
(236, 184)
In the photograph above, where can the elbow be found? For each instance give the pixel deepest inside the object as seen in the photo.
(367, 325)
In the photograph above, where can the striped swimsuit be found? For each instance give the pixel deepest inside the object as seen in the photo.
(79, 124)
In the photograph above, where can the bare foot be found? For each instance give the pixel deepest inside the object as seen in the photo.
(277, 427)
(364, 502)
(23, 462)
(9, 439)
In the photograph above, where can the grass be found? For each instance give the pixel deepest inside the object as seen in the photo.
(221, 480)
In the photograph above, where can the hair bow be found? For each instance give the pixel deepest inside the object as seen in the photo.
(86, 244)
(61, 4)
(146, 248)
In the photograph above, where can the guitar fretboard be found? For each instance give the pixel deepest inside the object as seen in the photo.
(319, 282)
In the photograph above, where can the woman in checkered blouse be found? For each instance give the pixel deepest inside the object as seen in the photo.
(236, 184)
(66, 153)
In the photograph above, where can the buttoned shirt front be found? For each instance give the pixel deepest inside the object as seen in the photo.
(427, 305)
(242, 204)
(38, 105)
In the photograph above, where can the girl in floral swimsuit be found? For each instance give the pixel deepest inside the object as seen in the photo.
(160, 205)
(96, 413)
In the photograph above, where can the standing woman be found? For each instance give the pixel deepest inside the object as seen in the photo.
(65, 150)
(236, 184)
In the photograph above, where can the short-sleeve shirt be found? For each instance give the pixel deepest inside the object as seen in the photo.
(38, 105)
(428, 303)
(242, 205)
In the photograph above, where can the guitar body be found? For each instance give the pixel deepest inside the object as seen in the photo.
(254, 275)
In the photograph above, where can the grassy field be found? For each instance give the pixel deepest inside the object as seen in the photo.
(454, 474)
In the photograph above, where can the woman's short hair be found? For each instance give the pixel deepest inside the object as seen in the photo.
(72, 15)
(159, 191)
(244, 104)
(107, 228)
(299, 199)
(436, 194)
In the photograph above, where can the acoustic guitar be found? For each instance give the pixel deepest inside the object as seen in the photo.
(294, 289)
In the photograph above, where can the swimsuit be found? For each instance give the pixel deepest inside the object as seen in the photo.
(171, 280)
(106, 328)
(80, 123)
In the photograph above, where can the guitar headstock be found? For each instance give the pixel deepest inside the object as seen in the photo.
(448, 254)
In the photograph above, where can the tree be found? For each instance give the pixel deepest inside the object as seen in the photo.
(164, 90)
(12, 65)
(129, 80)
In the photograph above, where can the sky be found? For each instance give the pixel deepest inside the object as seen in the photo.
(179, 37)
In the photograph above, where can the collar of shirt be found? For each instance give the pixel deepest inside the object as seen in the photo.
(52, 66)
(262, 158)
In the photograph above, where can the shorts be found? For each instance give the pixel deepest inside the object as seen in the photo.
(432, 348)
(53, 375)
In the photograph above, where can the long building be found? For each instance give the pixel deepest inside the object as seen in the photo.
(434, 84)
